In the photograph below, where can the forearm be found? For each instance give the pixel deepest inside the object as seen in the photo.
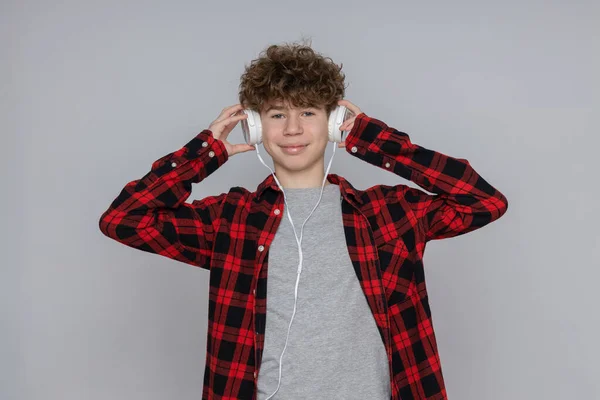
(164, 188)
(464, 201)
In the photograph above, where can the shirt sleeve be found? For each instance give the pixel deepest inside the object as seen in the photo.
(150, 214)
(462, 200)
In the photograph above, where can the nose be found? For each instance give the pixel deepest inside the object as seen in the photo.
(293, 126)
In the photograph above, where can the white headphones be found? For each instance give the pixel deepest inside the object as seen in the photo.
(252, 126)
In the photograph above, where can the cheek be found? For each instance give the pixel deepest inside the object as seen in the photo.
(268, 145)
(269, 134)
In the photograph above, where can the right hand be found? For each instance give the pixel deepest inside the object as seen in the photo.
(224, 124)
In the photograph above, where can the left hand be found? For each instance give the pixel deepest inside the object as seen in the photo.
(349, 123)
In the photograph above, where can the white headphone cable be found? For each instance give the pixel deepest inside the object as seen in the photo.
(299, 242)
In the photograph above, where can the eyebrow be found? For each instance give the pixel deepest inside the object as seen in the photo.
(274, 108)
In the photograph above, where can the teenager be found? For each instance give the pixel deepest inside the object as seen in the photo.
(317, 288)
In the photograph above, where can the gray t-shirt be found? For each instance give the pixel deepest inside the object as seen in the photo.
(334, 350)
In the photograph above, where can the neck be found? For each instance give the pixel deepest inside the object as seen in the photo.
(301, 179)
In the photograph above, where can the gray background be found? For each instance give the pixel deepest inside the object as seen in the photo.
(93, 92)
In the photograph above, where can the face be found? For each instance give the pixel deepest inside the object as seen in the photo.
(295, 137)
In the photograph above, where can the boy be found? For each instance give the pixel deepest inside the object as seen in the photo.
(362, 326)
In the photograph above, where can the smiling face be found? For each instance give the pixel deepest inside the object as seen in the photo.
(295, 137)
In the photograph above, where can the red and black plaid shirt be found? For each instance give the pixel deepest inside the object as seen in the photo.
(386, 229)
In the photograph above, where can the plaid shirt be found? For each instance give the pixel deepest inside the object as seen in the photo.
(386, 229)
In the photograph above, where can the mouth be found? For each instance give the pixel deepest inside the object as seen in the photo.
(293, 149)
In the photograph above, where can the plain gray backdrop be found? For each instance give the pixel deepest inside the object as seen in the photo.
(93, 92)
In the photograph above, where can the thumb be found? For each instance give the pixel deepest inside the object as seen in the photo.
(241, 148)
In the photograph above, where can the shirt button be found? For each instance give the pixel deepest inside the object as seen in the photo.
(173, 164)
(277, 211)
(254, 374)
(387, 164)
(211, 154)
(354, 149)
(254, 292)
(204, 144)
(261, 247)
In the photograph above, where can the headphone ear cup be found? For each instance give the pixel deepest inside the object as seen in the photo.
(252, 127)
(336, 119)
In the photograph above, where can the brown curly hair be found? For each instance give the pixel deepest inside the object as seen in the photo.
(292, 73)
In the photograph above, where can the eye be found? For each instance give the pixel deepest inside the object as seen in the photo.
(276, 116)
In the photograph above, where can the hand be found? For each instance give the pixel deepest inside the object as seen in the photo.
(224, 124)
(349, 123)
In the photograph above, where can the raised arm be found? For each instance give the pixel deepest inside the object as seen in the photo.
(462, 200)
(151, 214)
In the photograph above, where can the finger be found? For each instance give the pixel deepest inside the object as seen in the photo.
(347, 126)
(238, 113)
(241, 148)
(355, 110)
(227, 111)
(225, 126)
(233, 118)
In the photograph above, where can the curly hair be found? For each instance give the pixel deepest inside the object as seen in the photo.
(293, 73)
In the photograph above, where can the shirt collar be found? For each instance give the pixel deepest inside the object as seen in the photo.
(348, 191)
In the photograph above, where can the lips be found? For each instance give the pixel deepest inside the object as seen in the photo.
(293, 149)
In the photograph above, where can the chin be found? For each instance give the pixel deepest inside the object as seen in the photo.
(295, 164)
